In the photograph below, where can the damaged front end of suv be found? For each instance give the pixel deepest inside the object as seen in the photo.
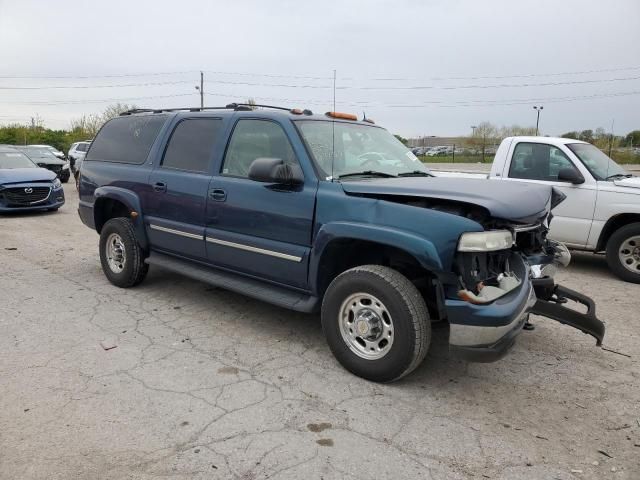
(504, 274)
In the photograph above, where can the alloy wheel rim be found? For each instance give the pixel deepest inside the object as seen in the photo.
(366, 326)
(115, 252)
(629, 254)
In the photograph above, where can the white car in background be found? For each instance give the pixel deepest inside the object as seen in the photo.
(53, 150)
(601, 211)
(77, 151)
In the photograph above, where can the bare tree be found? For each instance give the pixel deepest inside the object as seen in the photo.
(87, 126)
(484, 133)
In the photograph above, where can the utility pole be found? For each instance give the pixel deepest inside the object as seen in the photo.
(538, 110)
(201, 89)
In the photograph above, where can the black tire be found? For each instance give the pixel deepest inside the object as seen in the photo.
(615, 244)
(409, 320)
(65, 179)
(133, 268)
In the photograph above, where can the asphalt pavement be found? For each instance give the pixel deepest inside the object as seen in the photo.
(175, 379)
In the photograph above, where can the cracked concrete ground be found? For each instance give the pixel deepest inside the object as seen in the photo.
(205, 384)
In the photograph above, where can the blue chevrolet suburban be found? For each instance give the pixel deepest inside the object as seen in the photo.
(327, 213)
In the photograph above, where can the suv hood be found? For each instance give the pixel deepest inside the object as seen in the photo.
(25, 175)
(633, 182)
(514, 201)
(49, 161)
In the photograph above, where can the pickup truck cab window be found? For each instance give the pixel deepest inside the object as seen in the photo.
(252, 139)
(538, 161)
(191, 144)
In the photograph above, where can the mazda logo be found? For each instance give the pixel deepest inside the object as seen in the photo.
(28, 190)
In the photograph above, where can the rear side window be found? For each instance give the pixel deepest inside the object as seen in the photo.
(126, 139)
(82, 147)
(191, 144)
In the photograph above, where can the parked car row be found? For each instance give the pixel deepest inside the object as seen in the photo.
(24, 185)
(439, 150)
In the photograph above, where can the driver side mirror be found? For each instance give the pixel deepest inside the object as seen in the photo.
(274, 170)
(570, 175)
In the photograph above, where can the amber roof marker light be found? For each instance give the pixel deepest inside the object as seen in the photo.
(341, 115)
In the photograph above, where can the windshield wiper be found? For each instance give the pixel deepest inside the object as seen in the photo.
(619, 175)
(416, 173)
(367, 173)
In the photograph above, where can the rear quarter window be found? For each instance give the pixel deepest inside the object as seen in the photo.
(126, 139)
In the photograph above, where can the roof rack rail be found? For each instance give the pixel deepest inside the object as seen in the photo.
(160, 110)
(238, 107)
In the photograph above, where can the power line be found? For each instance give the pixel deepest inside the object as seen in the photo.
(502, 85)
(327, 102)
(104, 100)
(319, 77)
(86, 77)
(122, 85)
(325, 87)
(523, 75)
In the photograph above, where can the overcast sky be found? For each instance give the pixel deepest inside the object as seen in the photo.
(411, 65)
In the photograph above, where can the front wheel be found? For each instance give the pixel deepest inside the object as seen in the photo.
(623, 253)
(376, 323)
(121, 257)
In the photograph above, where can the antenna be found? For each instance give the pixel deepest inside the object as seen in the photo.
(333, 127)
(610, 145)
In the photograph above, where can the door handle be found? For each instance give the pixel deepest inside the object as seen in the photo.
(218, 195)
(160, 187)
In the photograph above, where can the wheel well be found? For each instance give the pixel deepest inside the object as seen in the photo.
(342, 254)
(107, 208)
(613, 224)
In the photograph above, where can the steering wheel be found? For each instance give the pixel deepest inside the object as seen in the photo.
(370, 161)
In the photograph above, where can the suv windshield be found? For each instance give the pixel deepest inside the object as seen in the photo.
(357, 149)
(15, 160)
(599, 164)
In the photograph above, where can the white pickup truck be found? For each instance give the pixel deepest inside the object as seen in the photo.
(602, 210)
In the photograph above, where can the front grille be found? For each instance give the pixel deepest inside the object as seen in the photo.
(26, 196)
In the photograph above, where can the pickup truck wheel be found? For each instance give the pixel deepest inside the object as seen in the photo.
(623, 252)
(121, 257)
(376, 323)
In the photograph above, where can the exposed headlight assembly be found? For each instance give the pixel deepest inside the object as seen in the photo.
(485, 241)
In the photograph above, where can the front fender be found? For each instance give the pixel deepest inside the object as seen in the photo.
(420, 248)
(130, 200)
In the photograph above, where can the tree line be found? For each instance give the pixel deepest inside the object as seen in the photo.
(82, 128)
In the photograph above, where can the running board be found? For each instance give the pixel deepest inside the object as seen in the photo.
(250, 287)
(585, 322)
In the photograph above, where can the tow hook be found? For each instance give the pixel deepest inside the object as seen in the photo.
(550, 304)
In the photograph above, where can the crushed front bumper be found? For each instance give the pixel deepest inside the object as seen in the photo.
(486, 333)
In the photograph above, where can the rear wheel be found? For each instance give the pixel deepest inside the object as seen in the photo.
(623, 252)
(376, 323)
(121, 257)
